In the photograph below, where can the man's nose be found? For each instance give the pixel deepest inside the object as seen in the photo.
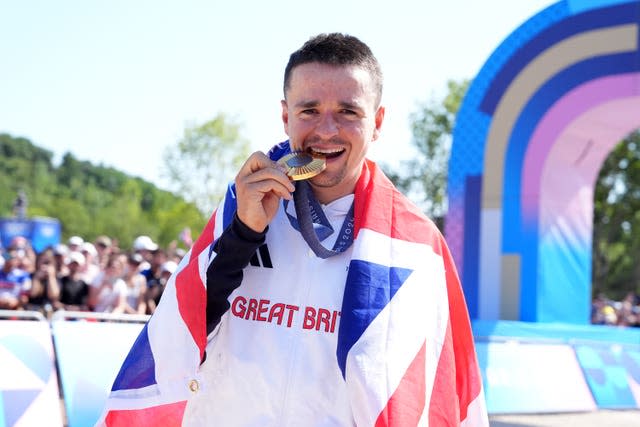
(327, 126)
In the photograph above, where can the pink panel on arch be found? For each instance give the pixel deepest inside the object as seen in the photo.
(572, 166)
(607, 123)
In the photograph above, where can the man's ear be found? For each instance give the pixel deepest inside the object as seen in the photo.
(378, 122)
(285, 115)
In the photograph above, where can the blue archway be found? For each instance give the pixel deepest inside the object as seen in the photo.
(538, 121)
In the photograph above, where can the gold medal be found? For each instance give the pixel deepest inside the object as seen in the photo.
(300, 165)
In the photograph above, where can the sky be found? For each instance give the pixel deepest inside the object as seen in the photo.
(116, 82)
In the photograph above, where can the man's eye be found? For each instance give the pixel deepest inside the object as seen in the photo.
(349, 112)
(308, 111)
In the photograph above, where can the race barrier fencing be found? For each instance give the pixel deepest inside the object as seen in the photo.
(526, 367)
(29, 393)
(547, 367)
(90, 348)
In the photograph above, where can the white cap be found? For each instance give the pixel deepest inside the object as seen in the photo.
(75, 241)
(60, 249)
(169, 266)
(144, 243)
(76, 256)
(89, 248)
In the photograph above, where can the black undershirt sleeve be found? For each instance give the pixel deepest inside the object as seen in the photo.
(234, 248)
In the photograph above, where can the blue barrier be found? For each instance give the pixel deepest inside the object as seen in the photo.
(564, 332)
(613, 373)
(89, 356)
(529, 377)
(605, 358)
(28, 381)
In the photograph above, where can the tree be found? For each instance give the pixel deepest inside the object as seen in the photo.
(424, 178)
(23, 166)
(200, 166)
(616, 221)
(90, 200)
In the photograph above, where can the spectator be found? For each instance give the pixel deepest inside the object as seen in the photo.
(609, 314)
(104, 246)
(154, 272)
(15, 283)
(44, 284)
(135, 302)
(20, 205)
(145, 246)
(60, 252)
(109, 290)
(74, 291)
(597, 310)
(90, 270)
(616, 313)
(24, 252)
(155, 293)
(74, 243)
(168, 268)
(627, 315)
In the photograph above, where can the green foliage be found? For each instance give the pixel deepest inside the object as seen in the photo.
(616, 217)
(90, 200)
(23, 166)
(205, 160)
(424, 178)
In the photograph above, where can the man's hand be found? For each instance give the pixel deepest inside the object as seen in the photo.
(260, 184)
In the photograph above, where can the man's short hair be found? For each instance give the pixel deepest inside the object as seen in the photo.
(339, 50)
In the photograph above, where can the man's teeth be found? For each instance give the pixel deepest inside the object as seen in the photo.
(327, 151)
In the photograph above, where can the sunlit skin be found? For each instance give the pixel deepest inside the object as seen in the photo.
(328, 109)
(333, 111)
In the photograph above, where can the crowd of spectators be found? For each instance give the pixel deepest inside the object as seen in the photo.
(98, 276)
(79, 275)
(605, 311)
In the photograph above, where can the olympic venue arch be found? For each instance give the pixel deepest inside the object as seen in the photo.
(531, 135)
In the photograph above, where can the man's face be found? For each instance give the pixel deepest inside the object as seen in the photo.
(159, 258)
(332, 110)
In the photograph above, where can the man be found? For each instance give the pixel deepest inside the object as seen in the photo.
(74, 290)
(146, 247)
(157, 277)
(361, 324)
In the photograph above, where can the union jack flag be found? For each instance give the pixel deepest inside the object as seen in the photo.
(405, 345)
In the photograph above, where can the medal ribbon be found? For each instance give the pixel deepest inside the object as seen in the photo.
(313, 224)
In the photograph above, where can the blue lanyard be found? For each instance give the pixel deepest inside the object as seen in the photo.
(313, 224)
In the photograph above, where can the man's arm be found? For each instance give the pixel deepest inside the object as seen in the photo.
(234, 248)
(260, 185)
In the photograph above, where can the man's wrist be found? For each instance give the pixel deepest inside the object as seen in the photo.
(245, 232)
